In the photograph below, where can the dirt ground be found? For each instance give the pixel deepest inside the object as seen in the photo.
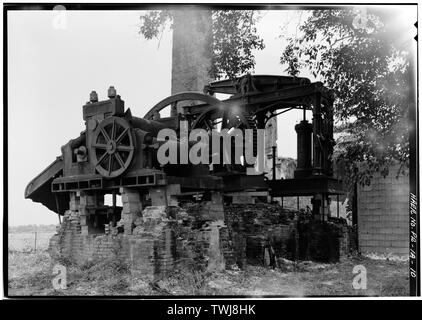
(30, 274)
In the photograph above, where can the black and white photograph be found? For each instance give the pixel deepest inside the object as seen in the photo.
(210, 151)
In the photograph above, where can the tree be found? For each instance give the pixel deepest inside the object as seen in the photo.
(354, 55)
(234, 37)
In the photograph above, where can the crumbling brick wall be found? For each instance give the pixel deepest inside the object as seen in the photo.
(260, 228)
(324, 241)
(264, 233)
(163, 239)
(205, 236)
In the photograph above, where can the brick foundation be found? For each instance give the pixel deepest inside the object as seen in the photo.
(164, 238)
(204, 236)
(263, 234)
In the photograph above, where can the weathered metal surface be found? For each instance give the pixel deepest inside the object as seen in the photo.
(238, 182)
(118, 151)
(39, 189)
(262, 83)
(182, 96)
(305, 186)
(97, 182)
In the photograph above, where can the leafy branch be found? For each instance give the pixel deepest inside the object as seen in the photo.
(234, 37)
(369, 77)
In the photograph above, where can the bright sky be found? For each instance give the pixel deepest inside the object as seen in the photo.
(52, 71)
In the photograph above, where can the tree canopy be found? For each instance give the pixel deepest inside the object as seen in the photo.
(352, 53)
(355, 57)
(234, 37)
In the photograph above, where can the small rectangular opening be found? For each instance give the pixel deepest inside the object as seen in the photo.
(83, 185)
(127, 181)
(142, 180)
(71, 185)
(95, 183)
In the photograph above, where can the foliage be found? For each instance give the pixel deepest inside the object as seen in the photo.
(234, 38)
(353, 55)
(154, 22)
(369, 76)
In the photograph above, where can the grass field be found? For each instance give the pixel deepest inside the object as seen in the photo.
(30, 273)
(29, 241)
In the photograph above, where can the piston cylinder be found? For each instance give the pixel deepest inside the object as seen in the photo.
(304, 149)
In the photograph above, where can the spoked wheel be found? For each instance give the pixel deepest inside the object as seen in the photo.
(112, 148)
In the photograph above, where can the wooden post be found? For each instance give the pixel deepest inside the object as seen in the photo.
(35, 244)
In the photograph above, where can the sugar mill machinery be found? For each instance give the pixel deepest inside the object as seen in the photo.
(118, 151)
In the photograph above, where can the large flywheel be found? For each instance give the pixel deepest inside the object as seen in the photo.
(112, 147)
(191, 98)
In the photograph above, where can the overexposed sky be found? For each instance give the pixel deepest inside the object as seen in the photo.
(52, 71)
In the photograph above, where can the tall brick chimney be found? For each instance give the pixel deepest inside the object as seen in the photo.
(192, 49)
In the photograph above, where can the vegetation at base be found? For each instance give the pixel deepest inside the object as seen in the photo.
(31, 274)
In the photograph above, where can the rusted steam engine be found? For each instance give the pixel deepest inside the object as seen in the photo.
(117, 152)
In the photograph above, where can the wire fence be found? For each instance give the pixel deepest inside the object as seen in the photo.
(29, 241)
